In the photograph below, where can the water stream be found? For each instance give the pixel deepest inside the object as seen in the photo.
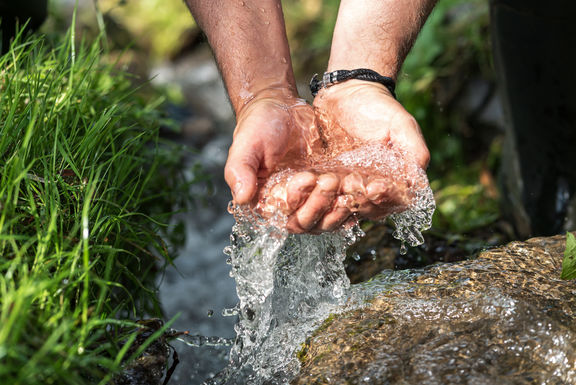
(288, 284)
(285, 285)
(502, 318)
(495, 320)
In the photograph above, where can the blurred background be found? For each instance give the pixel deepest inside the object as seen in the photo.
(447, 83)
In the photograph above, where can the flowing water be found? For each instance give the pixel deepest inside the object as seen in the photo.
(503, 318)
(288, 284)
(495, 320)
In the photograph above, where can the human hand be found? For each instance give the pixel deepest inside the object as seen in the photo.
(356, 114)
(277, 132)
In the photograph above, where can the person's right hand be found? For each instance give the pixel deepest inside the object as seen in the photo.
(359, 116)
(277, 132)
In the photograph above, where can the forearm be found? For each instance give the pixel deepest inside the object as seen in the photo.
(249, 41)
(376, 34)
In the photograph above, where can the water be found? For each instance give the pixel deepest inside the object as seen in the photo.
(288, 284)
(197, 340)
(197, 288)
(504, 318)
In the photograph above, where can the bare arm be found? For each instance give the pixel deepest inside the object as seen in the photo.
(376, 34)
(249, 41)
(274, 128)
(373, 34)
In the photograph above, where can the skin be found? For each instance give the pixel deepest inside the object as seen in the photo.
(276, 129)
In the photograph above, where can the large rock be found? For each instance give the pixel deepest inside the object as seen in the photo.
(502, 318)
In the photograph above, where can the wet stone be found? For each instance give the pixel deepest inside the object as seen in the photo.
(502, 318)
(151, 365)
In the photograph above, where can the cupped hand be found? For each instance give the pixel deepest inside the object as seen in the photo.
(278, 133)
(356, 115)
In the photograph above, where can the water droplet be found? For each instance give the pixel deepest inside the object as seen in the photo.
(197, 341)
(229, 312)
(356, 256)
(210, 313)
(403, 249)
(227, 250)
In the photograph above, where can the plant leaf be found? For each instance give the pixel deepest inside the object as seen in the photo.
(569, 262)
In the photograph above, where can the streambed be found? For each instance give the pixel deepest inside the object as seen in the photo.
(199, 287)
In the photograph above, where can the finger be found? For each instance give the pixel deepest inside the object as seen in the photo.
(241, 175)
(319, 202)
(353, 191)
(384, 198)
(299, 189)
(368, 210)
(332, 220)
(378, 190)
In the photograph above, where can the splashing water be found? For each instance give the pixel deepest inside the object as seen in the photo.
(408, 200)
(502, 318)
(288, 284)
(196, 340)
(382, 162)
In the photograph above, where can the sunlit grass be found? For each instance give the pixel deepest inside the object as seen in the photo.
(79, 180)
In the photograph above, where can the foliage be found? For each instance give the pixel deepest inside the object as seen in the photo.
(154, 30)
(309, 26)
(569, 262)
(480, 210)
(159, 25)
(452, 49)
(81, 187)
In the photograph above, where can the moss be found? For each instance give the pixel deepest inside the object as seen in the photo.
(303, 352)
(326, 324)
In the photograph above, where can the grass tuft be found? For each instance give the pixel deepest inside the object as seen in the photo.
(81, 187)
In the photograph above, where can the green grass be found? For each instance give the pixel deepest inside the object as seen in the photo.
(569, 261)
(82, 181)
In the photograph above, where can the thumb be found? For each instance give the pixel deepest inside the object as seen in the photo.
(241, 175)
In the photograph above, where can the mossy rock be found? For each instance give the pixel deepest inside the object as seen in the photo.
(502, 318)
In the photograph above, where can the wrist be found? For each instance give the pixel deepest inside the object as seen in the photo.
(330, 79)
(280, 95)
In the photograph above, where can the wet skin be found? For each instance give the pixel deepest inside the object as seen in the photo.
(272, 135)
(276, 130)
